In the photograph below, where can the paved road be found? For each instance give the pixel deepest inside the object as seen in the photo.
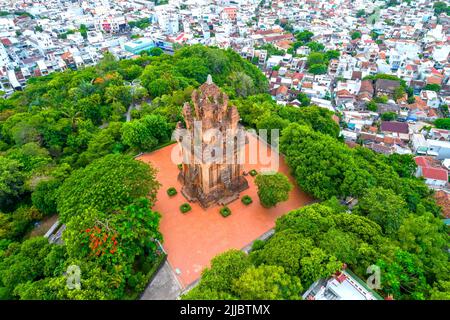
(164, 286)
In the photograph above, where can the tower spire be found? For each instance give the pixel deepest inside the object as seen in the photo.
(209, 79)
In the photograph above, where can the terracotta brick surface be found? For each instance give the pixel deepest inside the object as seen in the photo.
(193, 239)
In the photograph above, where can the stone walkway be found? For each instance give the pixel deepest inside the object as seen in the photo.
(164, 285)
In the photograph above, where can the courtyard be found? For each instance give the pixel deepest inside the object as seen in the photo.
(191, 240)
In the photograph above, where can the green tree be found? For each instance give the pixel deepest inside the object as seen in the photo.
(318, 69)
(269, 123)
(399, 93)
(83, 31)
(120, 94)
(384, 207)
(320, 119)
(304, 36)
(12, 181)
(146, 133)
(224, 269)
(360, 13)
(355, 35)
(403, 277)
(433, 87)
(44, 196)
(30, 155)
(23, 262)
(304, 99)
(273, 188)
(440, 7)
(317, 265)
(107, 184)
(388, 116)
(316, 58)
(243, 84)
(336, 174)
(403, 164)
(155, 52)
(284, 249)
(427, 237)
(343, 245)
(441, 291)
(332, 54)
(267, 283)
(442, 123)
(315, 46)
(372, 106)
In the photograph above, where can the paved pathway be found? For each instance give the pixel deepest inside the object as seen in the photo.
(164, 285)
(193, 239)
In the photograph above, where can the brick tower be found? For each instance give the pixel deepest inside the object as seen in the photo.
(214, 171)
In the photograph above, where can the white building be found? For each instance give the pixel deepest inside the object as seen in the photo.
(341, 286)
(438, 148)
(4, 58)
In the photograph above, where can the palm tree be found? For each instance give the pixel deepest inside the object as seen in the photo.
(72, 114)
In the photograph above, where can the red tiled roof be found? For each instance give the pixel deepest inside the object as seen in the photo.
(435, 173)
(421, 161)
(6, 42)
(282, 90)
(344, 93)
(430, 172)
(394, 126)
(443, 199)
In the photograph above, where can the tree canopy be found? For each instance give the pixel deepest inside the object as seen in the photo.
(273, 188)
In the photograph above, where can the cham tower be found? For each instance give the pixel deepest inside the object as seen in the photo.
(212, 170)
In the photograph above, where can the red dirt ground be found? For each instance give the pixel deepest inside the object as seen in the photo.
(193, 239)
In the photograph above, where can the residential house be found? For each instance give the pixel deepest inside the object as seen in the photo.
(395, 129)
(366, 91)
(431, 98)
(443, 199)
(384, 87)
(343, 285)
(439, 149)
(344, 96)
(434, 175)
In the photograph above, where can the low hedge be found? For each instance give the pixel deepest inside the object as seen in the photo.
(185, 207)
(171, 191)
(246, 200)
(225, 211)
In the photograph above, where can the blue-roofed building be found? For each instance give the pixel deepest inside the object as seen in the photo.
(139, 45)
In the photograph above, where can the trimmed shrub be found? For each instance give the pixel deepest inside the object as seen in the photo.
(185, 207)
(225, 211)
(172, 191)
(180, 166)
(253, 172)
(246, 200)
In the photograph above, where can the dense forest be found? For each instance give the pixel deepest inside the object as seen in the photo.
(66, 148)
